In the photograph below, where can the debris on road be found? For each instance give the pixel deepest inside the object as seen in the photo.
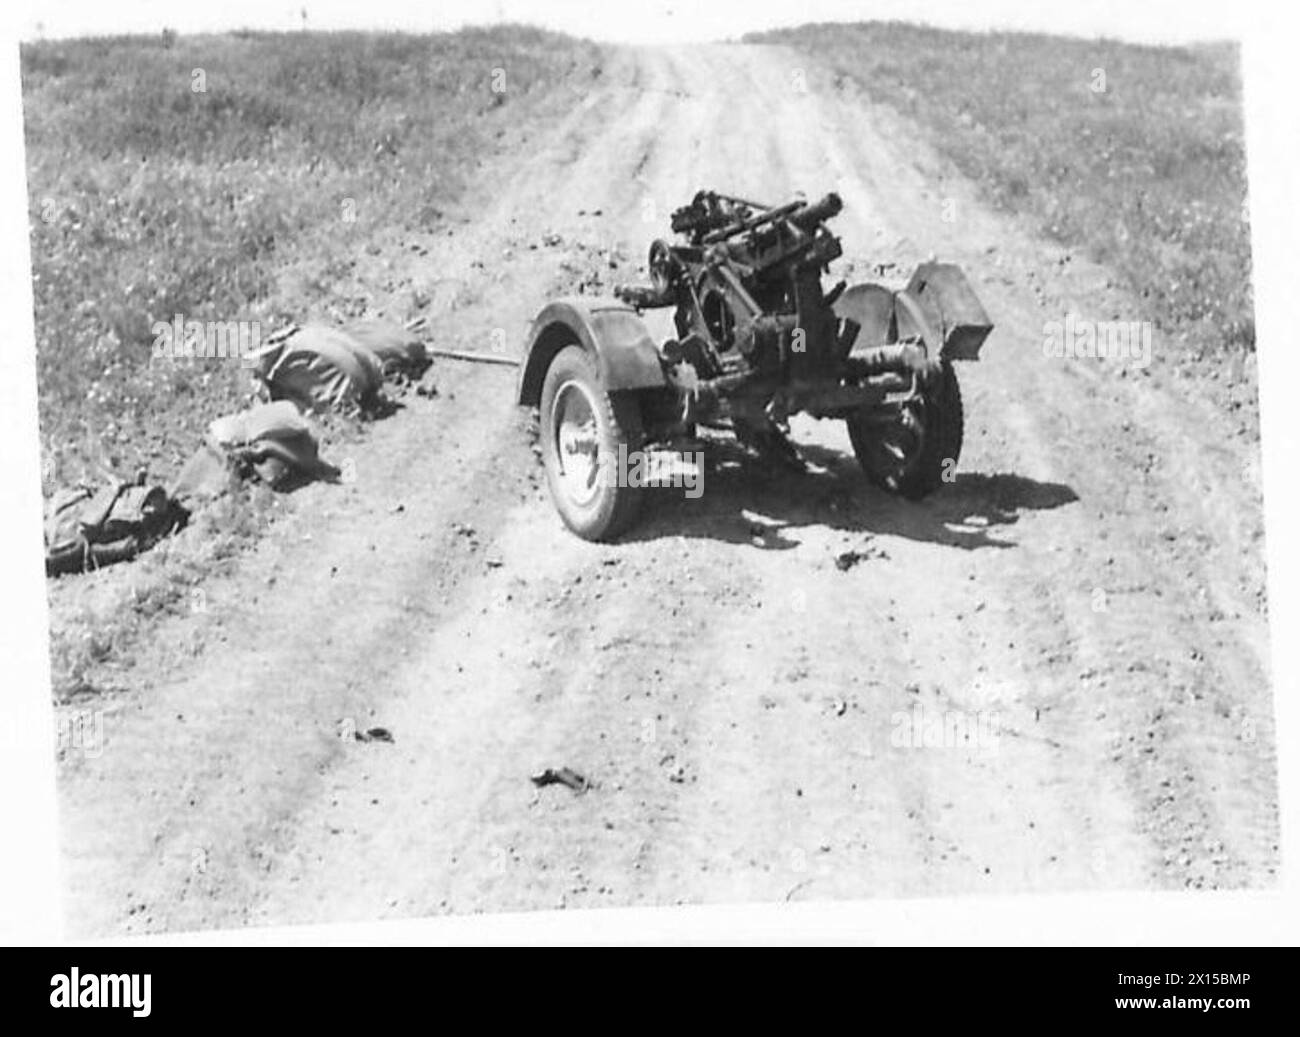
(374, 734)
(848, 559)
(563, 776)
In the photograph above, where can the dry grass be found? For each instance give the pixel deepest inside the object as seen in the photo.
(149, 199)
(1148, 176)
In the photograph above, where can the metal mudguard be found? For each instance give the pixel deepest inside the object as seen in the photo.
(611, 332)
(951, 305)
(871, 307)
(938, 305)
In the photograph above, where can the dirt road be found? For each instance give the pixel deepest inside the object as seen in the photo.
(1086, 599)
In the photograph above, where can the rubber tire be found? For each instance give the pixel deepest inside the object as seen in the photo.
(941, 421)
(618, 419)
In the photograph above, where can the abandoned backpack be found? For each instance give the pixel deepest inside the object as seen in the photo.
(319, 368)
(400, 352)
(85, 529)
(272, 441)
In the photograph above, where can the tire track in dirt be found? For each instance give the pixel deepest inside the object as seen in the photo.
(1191, 645)
(259, 712)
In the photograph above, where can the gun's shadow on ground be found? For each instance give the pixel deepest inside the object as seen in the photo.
(746, 501)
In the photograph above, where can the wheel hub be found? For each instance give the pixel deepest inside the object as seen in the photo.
(576, 436)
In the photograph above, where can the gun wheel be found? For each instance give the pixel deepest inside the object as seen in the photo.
(588, 435)
(913, 456)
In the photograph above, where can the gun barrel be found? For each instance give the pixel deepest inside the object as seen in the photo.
(757, 220)
(818, 212)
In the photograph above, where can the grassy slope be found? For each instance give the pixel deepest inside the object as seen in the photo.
(149, 199)
(1147, 176)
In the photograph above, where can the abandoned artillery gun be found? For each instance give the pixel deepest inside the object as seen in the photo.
(756, 340)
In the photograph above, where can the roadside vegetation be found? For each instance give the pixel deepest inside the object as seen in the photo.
(184, 175)
(1134, 154)
(229, 178)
